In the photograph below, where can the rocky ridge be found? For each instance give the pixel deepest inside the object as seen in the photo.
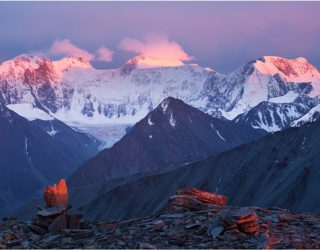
(194, 219)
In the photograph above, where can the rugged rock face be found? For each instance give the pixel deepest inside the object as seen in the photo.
(172, 134)
(57, 195)
(207, 226)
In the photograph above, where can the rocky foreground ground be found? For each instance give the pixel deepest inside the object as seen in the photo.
(194, 219)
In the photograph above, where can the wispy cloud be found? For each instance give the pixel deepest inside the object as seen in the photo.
(104, 54)
(156, 47)
(65, 47)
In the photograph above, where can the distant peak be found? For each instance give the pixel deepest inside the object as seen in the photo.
(70, 62)
(170, 103)
(141, 62)
(291, 70)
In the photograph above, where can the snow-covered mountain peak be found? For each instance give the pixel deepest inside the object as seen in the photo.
(296, 70)
(29, 68)
(20, 63)
(70, 62)
(142, 62)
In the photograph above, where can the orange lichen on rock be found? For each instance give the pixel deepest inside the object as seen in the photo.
(56, 195)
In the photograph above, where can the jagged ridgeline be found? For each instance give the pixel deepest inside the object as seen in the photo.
(269, 93)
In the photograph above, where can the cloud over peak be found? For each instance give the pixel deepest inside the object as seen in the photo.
(65, 47)
(156, 47)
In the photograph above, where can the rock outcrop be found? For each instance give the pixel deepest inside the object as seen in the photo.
(56, 195)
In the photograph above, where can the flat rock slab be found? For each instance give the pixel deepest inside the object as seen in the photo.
(38, 229)
(242, 213)
(215, 231)
(52, 211)
(203, 196)
(172, 216)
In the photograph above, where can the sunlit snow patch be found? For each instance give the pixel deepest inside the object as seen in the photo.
(287, 98)
(29, 112)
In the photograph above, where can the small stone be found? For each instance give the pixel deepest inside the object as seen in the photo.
(158, 225)
(51, 238)
(215, 231)
(107, 226)
(242, 213)
(253, 217)
(233, 235)
(192, 225)
(272, 218)
(172, 216)
(203, 245)
(38, 229)
(287, 217)
(13, 243)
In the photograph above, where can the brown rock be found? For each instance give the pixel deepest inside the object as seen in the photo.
(42, 223)
(73, 218)
(203, 196)
(250, 230)
(107, 226)
(51, 212)
(56, 195)
(59, 223)
(158, 225)
(233, 235)
(73, 222)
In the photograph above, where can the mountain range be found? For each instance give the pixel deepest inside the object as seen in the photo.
(269, 93)
(176, 115)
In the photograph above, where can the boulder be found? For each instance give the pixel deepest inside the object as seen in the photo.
(56, 195)
(59, 223)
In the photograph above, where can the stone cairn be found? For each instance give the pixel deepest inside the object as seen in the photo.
(242, 220)
(57, 215)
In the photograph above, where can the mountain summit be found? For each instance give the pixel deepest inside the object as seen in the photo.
(172, 134)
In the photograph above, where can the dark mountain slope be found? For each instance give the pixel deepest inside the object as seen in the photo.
(172, 134)
(279, 170)
(30, 159)
(86, 146)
